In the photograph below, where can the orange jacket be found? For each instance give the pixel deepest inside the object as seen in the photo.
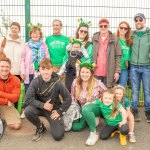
(9, 90)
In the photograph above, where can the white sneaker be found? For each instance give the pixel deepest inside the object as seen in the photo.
(22, 115)
(92, 139)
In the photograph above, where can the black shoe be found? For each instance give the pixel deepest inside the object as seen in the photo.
(147, 114)
(136, 115)
(38, 134)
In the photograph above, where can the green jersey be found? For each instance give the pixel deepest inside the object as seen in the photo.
(57, 48)
(126, 53)
(107, 110)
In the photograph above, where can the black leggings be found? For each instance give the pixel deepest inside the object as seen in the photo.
(57, 126)
(108, 130)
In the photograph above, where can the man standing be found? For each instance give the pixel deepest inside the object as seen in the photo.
(140, 65)
(57, 45)
(9, 94)
(43, 99)
(106, 54)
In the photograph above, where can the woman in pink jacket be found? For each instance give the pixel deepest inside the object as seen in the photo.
(33, 52)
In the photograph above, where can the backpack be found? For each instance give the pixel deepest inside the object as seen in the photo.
(1, 127)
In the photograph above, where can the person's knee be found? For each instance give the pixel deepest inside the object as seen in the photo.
(124, 129)
(28, 111)
(16, 126)
(103, 136)
(58, 135)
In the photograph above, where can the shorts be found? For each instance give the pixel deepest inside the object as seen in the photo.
(10, 114)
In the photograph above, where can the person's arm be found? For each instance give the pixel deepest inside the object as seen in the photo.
(124, 116)
(30, 97)
(62, 69)
(128, 111)
(13, 96)
(23, 55)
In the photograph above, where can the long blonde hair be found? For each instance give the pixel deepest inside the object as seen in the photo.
(91, 83)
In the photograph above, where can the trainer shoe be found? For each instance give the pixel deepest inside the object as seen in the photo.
(92, 139)
(147, 114)
(38, 134)
(132, 138)
(136, 115)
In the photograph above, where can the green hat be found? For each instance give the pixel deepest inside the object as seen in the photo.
(81, 23)
(75, 41)
(91, 66)
(31, 26)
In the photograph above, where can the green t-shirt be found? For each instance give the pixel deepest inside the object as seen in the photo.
(140, 33)
(107, 110)
(57, 48)
(126, 53)
(126, 103)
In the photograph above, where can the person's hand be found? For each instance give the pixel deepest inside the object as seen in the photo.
(54, 115)
(23, 76)
(9, 104)
(116, 77)
(122, 123)
(48, 106)
(127, 63)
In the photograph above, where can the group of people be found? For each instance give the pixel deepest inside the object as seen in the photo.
(73, 82)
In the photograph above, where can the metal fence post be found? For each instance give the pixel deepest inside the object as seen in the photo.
(27, 18)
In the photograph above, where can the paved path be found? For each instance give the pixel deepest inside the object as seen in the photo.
(21, 140)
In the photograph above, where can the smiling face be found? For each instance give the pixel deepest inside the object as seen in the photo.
(35, 36)
(14, 30)
(104, 27)
(123, 29)
(139, 23)
(85, 74)
(46, 73)
(4, 69)
(107, 98)
(119, 94)
(83, 32)
(56, 27)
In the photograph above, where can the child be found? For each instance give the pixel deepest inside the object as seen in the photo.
(33, 52)
(75, 52)
(120, 97)
(115, 116)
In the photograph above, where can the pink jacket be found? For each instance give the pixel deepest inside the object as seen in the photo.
(26, 60)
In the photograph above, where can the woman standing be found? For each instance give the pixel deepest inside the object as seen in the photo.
(13, 48)
(123, 33)
(33, 52)
(85, 89)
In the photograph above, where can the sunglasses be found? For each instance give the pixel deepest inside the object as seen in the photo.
(83, 31)
(138, 20)
(123, 28)
(103, 26)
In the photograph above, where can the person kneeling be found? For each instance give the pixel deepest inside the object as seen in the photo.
(43, 99)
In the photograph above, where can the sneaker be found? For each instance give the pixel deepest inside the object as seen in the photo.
(92, 139)
(22, 115)
(38, 134)
(97, 121)
(136, 115)
(123, 139)
(147, 114)
(132, 138)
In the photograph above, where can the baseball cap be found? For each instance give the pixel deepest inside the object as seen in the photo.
(139, 15)
(103, 20)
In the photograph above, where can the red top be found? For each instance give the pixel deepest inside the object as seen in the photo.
(101, 65)
(9, 90)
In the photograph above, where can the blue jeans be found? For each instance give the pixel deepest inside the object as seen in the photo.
(138, 73)
(123, 77)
